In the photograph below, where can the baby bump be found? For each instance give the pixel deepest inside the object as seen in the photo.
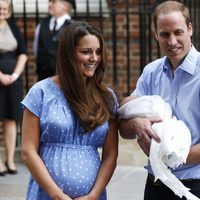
(74, 168)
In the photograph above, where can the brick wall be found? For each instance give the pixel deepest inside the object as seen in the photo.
(107, 30)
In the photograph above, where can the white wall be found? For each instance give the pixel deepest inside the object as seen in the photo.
(81, 6)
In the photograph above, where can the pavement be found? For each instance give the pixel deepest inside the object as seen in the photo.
(127, 183)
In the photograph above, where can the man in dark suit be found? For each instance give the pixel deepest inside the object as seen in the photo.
(47, 35)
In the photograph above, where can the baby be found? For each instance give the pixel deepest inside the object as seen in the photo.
(171, 152)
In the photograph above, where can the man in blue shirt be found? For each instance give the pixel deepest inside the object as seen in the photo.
(176, 78)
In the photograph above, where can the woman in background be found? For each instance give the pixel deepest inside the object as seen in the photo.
(12, 62)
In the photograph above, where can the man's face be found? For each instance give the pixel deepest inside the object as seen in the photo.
(174, 36)
(57, 7)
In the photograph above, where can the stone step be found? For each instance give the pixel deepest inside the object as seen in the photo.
(130, 154)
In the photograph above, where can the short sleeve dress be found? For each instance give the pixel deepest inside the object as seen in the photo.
(71, 157)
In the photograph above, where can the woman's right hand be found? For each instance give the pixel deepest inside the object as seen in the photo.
(62, 196)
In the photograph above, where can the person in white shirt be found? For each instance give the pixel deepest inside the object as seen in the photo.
(47, 34)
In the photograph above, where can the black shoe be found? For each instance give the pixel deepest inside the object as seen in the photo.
(10, 171)
(3, 173)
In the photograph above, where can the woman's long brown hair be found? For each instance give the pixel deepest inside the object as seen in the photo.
(91, 101)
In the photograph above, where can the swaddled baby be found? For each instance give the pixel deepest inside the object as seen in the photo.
(171, 152)
(145, 106)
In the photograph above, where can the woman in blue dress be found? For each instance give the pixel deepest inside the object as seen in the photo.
(67, 118)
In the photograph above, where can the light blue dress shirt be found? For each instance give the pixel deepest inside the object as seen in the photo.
(182, 91)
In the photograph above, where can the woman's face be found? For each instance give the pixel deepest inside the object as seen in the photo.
(88, 54)
(3, 10)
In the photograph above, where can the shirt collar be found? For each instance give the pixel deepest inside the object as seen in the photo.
(60, 21)
(188, 64)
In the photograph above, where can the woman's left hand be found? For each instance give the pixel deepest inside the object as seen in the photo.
(6, 79)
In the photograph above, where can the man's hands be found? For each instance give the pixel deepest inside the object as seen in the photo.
(144, 132)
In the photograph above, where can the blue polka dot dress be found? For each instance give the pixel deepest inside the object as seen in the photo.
(71, 157)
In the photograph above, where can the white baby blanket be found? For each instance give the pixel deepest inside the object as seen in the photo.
(175, 137)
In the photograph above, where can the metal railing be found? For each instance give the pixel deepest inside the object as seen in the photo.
(128, 33)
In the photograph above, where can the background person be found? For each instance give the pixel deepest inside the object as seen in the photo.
(176, 78)
(66, 118)
(47, 35)
(12, 62)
